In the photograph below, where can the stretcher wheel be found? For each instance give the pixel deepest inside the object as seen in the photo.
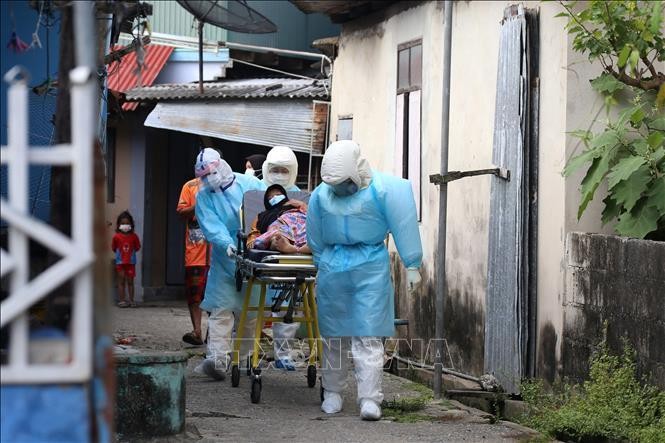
(235, 376)
(311, 376)
(255, 395)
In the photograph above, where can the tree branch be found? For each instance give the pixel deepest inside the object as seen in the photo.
(653, 83)
(652, 70)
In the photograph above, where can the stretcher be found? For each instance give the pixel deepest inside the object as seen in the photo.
(292, 275)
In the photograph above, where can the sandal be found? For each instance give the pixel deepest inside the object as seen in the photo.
(192, 339)
(123, 304)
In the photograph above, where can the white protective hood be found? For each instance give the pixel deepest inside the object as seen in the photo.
(209, 160)
(284, 157)
(343, 161)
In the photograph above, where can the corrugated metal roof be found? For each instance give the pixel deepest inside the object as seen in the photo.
(244, 88)
(123, 75)
(299, 124)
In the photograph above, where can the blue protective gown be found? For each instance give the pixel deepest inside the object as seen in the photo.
(217, 213)
(355, 294)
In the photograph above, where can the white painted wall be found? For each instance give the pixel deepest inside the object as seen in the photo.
(364, 85)
(188, 71)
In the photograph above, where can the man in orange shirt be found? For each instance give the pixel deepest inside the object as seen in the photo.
(197, 259)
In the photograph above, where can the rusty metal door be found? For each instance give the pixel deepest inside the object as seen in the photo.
(510, 299)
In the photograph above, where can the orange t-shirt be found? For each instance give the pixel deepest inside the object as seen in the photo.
(196, 247)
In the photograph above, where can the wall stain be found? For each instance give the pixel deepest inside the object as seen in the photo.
(613, 294)
(547, 363)
(464, 321)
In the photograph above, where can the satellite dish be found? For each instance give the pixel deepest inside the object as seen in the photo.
(233, 15)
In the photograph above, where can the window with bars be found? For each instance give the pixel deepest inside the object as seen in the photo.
(408, 116)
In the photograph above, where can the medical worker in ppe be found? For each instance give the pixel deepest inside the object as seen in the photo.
(348, 219)
(281, 168)
(217, 205)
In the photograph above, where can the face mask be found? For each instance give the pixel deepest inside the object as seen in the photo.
(250, 171)
(213, 180)
(276, 199)
(125, 228)
(345, 188)
(279, 178)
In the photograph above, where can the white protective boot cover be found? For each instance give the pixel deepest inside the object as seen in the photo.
(369, 410)
(332, 402)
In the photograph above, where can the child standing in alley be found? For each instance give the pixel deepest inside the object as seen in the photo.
(125, 244)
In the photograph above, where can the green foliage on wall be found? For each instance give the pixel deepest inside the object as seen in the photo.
(626, 37)
(613, 405)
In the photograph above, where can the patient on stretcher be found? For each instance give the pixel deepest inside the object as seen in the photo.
(281, 227)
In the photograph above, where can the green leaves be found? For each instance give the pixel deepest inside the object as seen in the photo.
(624, 169)
(637, 117)
(638, 225)
(625, 37)
(623, 56)
(656, 18)
(656, 195)
(614, 404)
(590, 183)
(628, 192)
(655, 139)
(633, 59)
(606, 83)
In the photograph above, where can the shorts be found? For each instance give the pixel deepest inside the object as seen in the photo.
(128, 270)
(195, 283)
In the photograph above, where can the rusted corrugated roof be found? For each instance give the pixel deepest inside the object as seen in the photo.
(242, 88)
(298, 124)
(123, 75)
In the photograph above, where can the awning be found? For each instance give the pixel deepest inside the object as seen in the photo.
(123, 74)
(299, 124)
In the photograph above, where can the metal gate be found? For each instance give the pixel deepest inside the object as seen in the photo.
(76, 252)
(510, 304)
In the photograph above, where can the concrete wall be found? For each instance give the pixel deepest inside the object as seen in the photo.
(621, 282)
(364, 85)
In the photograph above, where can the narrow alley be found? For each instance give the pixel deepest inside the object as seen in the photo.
(289, 410)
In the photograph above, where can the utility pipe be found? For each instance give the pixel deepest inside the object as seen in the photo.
(200, 57)
(444, 370)
(287, 52)
(443, 200)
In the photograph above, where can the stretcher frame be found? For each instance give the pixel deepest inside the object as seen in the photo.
(273, 268)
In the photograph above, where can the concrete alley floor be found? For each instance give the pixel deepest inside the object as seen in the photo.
(289, 410)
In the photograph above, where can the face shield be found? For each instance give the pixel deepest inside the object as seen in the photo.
(279, 175)
(214, 172)
(280, 167)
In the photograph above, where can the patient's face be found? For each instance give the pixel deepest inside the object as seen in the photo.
(273, 192)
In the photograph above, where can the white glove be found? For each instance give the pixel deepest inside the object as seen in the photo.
(230, 250)
(412, 279)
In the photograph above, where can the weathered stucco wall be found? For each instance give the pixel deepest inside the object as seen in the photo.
(364, 85)
(617, 282)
